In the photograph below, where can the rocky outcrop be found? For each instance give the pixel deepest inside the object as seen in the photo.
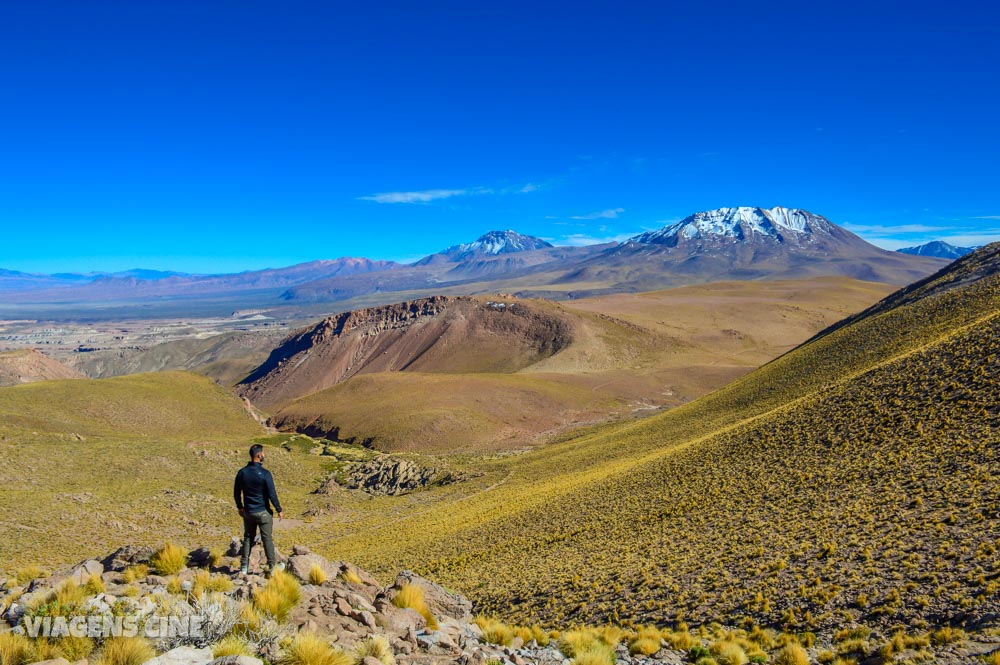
(390, 476)
(419, 335)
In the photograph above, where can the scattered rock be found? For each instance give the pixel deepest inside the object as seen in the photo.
(183, 656)
(126, 556)
(442, 603)
(237, 660)
(391, 476)
(82, 572)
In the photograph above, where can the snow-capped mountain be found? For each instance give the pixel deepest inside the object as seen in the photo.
(938, 249)
(741, 224)
(495, 243)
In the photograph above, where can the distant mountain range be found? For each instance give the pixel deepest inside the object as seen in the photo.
(938, 249)
(727, 243)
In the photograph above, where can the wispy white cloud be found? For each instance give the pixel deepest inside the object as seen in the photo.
(611, 213)
(431, 195)
(987, 217)
(423, 196)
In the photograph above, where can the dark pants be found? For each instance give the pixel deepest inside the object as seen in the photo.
(251, 522)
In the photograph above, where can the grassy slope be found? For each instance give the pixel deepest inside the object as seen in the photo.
(90, 465)
(410, 411)
(630, 353)
(849, 479)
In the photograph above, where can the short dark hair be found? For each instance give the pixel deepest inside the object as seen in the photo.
(255, 450)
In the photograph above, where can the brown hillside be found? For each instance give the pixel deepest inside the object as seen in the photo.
(28, 366)
(437, 334)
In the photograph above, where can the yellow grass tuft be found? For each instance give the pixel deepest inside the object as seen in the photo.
(277, 598)
(16, 649)
(75, 649)
(94, 585)
(598, 654)
(135, 573)
(205, 582)
(28, 574)
(645, 646)
(231, 645)
(169, 560)
(125, 651)
(174, 585)
(374, 646)
(351, 577)
(948, 635)
(311, 649)
(412, 596)
(791, 654)
(316, 574)
(495, 631)
(727, 652)
(69, 593)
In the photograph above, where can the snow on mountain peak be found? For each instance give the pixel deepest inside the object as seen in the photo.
(495, 243)
(742, 223)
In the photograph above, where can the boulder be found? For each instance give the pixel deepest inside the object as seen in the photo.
(442, 603)
(82, 571)
(53, 661)
(126, 556)
(237, 660)
(299, 565)
(400, 621)
(183, 656)
(199, 558)
(235, 546)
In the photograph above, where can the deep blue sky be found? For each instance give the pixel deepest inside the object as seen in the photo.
(215, 136)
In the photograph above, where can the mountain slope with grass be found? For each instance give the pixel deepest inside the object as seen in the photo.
(465, 374)
(846, 482)
(165, 405)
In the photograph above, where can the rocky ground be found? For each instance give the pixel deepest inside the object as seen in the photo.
(347, 607)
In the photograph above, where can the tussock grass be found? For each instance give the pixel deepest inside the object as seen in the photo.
(727, 652)
(412, 596)
(316, 574)
(232, 645)
(75, 649)
(205, 582)
(135, 573)
(644, 646)
(791, 654)
(28, 574)
(125, 651)
(94, 585)
(495, 631)
(374, 646)
(597, 655)
(16, 649)
(948, 635)
(277, 598)
(169, 560)
(311, 649)
(351, 577)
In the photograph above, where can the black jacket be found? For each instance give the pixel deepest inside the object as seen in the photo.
(254, 489)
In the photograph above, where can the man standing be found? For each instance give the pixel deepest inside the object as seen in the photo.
(255, 496)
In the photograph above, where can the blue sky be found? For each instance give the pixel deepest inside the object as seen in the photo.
(218, 136)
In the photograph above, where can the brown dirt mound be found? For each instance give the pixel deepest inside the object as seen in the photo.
(440, 334)
(17, 367)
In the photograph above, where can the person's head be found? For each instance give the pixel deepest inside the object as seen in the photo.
(256, 453)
